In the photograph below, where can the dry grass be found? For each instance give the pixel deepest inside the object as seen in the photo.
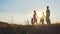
(29, 29)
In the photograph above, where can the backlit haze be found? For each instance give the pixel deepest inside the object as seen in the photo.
(18, 11)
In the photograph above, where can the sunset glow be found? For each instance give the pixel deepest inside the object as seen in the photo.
(17, 11)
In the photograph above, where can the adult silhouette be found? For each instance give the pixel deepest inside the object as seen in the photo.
(48, 15)
(34, 17)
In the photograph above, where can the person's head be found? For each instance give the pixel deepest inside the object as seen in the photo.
(42, 12)
(34, 11)
(47, 7)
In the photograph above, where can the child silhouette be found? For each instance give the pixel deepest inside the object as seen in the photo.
(42, 18)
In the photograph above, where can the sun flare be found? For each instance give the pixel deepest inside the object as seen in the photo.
(39, 14)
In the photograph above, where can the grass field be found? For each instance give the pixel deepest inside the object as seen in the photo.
(29, 29)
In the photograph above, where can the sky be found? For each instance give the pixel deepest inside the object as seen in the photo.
(18, 11)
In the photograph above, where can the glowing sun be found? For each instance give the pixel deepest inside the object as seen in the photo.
(39, 14)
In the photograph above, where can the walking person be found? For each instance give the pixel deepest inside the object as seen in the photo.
(42, 18)
(34, 17)
(48, 15)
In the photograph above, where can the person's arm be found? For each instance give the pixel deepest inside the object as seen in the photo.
(38, 17)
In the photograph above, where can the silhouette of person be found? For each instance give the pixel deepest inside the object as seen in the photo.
(42, 18)
(34, 17)
(32, 22)
(48, 15)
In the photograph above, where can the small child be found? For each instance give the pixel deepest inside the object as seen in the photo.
(32, 22)
(42, 18)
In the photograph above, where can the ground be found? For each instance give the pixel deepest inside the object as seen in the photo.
(29, 29)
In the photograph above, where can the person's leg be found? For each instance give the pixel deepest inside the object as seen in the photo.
(42, 22)
(39, 22)
(36, 23)
(49, 21)
(32, 23)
